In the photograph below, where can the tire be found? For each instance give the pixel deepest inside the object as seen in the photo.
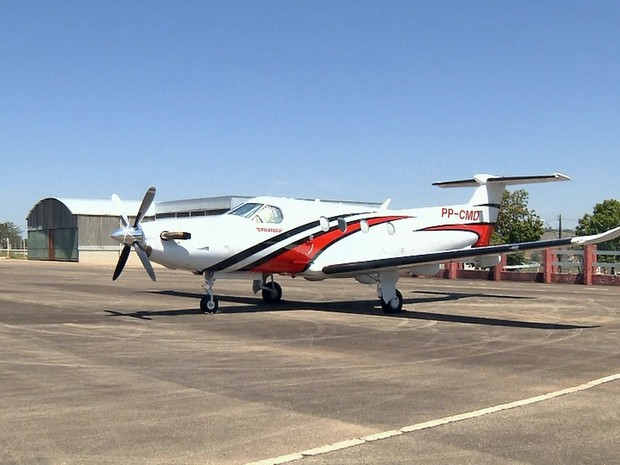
(389, 309)
(206, 306)
(273, 294)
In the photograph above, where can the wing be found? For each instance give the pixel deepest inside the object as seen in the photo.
(443, 256)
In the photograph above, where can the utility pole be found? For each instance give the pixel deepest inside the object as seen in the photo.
(560, 236)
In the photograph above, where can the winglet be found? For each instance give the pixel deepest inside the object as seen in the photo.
(385, 205)
(597, 238)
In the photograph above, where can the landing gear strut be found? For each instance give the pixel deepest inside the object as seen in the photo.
(209, 303)
(390, 297)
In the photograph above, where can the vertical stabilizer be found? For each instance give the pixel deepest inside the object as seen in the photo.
(487, 194)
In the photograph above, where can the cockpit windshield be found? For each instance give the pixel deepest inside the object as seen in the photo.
(258, 212)
(246, 210)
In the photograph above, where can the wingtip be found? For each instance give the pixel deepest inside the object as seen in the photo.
(597, 238)
(562, 177)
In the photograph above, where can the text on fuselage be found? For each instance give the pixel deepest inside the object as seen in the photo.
(466, 215)
(268, 229)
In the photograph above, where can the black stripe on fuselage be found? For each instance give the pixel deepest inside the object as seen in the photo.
(281, 250)
(300, 241)
(233, 260)
(494, 205)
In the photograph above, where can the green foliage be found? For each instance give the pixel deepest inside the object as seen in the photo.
(11, 232)
(516, 223)
(605, 216)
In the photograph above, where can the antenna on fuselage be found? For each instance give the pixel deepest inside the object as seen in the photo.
(385, 205)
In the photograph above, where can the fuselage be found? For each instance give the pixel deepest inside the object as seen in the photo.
(300, 237)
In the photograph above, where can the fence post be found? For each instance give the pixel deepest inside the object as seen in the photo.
(453, 270)
(497, 269)
(548, 259)
(589, 263)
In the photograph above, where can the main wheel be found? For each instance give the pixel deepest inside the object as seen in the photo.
(209, 306)
(273, 293)
(393, 306)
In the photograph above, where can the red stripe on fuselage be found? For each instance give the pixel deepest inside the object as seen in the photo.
(484, 231)
(298, 258)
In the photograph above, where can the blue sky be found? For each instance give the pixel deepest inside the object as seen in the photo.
(333, 99)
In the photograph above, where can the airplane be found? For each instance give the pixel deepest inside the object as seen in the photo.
(317, 240)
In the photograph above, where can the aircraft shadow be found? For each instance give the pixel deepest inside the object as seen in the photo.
(358, 307)
(148, 314)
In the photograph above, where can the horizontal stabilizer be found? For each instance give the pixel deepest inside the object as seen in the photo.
(481, 179)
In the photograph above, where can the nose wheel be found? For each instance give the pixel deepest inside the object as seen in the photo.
(209, 303)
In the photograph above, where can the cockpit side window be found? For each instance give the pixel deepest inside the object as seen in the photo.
(270, 214)
(258, 212)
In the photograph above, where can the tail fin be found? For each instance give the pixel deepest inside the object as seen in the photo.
(489, 188)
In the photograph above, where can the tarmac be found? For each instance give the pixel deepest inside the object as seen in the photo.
(101, 372)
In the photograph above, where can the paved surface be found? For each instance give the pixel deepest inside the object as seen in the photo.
(130, 372)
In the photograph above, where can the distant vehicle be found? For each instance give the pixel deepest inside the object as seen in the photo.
(316, 240)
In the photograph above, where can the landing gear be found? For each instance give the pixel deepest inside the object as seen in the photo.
(390, 297)
(271, 290)
(395, 305)
(209, 303)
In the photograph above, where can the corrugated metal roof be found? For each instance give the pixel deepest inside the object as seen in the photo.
(224, 202)
(105, 207)
(102, 207)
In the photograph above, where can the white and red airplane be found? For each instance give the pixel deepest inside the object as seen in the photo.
(268, 236)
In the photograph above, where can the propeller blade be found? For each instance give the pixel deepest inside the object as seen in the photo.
(146, 203)
(133, 235)
(122, 260)
(146, 263)
(118, 204)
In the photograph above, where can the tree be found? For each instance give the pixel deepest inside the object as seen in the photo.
(11, 232)
(605, 216)
(516, 223)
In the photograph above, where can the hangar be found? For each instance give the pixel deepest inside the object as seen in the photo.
(78, 230)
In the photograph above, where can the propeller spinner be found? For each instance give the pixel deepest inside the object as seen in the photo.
(133, 235)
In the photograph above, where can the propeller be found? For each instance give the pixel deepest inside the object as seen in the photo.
(133, 236)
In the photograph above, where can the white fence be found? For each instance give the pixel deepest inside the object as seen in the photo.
(13, 253)
(572, 261)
